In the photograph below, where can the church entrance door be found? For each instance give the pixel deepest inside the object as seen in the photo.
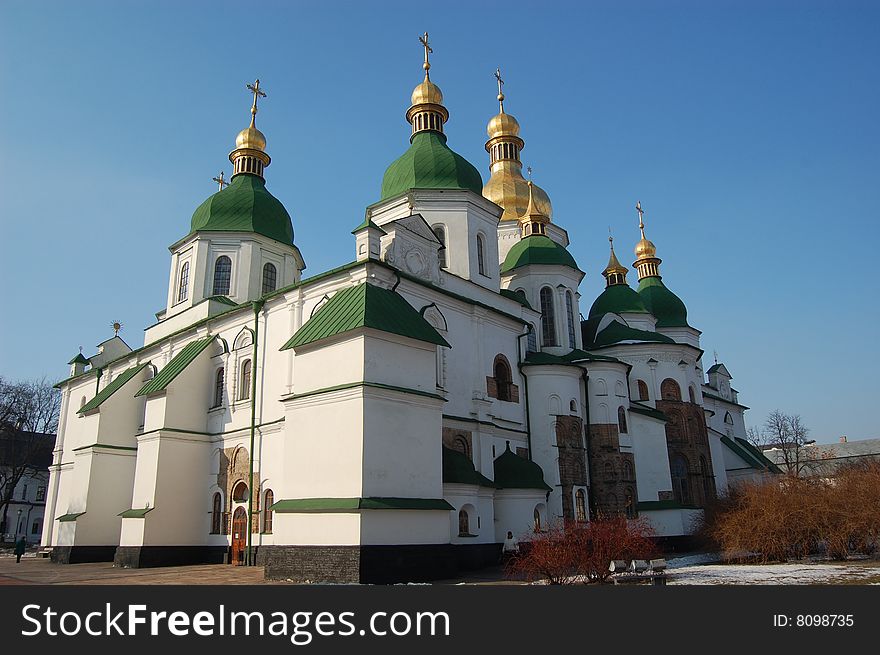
(239, 536)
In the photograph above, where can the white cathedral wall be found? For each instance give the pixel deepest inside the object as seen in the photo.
(514, 512)
(408, 526)
(719, 465)
(107, 476)
(651, 456)
(317, 529)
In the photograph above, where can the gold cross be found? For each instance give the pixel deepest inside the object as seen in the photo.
(258, 93)
(424, 41)
(219, 180)
(500, 92)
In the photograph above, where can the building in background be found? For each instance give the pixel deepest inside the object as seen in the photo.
(30, 452)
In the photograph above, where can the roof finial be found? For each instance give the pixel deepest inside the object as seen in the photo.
(610, 238)
(117, 326)
(715, 352)
(427, 65)
(220, 181)
(641, 222)
(258, 93)
(529, 171)
(500, 84)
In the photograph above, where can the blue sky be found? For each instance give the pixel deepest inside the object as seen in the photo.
(748, 130)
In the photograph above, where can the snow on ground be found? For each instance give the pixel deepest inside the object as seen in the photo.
(769, 574)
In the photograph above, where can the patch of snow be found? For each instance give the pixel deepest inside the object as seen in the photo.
(768, 574)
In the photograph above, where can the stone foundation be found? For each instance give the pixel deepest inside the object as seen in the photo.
(139, 557)
(82, 554)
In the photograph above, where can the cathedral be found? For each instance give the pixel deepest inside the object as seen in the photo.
(391, 419)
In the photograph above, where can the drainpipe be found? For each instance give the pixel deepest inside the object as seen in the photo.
(257, 305)
(522, 372)
(587, 434)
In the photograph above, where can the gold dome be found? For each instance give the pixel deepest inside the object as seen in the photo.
(250, 137)
(614, 265)
(427, 93)
(645, 249)
(508, 189)
(502, 125)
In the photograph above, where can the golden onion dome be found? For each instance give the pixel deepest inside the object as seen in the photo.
(645, 249)
(502, 125)
(427, 93)
(250, 137)
(508, 189)
(614, 265)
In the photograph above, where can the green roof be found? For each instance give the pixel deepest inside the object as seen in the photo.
(136, 513)
(367, 222)
(666, 307)
(515, 472)
(173, 368)
(365, 306)
(618, 298)
(79, 359)
(354, 504)
(616, 332)
(537, 249)
(760, 456)
(743, 453)
(244, 206)
(647, 410)
(111, 388)
(569, 359)
(458, 469)
(518, 296)
(430, 164)
(69, 517)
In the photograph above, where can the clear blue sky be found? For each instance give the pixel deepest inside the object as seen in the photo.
(748, 130)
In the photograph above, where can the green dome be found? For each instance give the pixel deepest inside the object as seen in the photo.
(244, 206)
(618, 298)
(457, 468)
(515, 472)
(537, 249)
(430, 164)
(666, 307)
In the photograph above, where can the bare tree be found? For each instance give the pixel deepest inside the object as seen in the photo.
(789, 434)
(28, 413)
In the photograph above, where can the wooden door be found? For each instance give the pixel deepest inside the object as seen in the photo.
(239, 536)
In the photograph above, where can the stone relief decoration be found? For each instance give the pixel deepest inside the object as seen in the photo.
(243, 339)
(410, 245)
(234, 465)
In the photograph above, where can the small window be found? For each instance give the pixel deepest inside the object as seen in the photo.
(580, 505)
(41, 494)
(222, 275)
(183, 285)
(537, 520)
(461, 445)
(35, 528)
(440, 233)
(669, 390)
(532, 339)
(270, 278)
(569, 310)
(621, 420)
(463, 526)
(240, 492)
(573, 406)
(216, 514)
(503, 380)
(643, 389)
(481, 255)
(728, 418)
(548, 318)
(267, 512)
(218, 388)
(244, 385)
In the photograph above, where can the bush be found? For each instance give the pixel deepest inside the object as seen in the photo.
(582, 552)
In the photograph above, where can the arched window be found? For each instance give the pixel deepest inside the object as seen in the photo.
(183, 285)
(728, 418)
(222, 275)
(440, 233)
(461, 445)
(572, 406)
(643, 390)
(669, 390)
(580, 505)
(218, 388)
(708, 486)
(609, 471)
(503, 380)
(621, 420)
(628, 471)
(548, 318)
(569, 311)
(537, 520)
(463, 527)
(240, 492)
(692, 395)
(629, 502)
(532, 339)
(680, 485)
(267, 512)
(481, 254)
(217, 514)
(244, 384)
(270, 278)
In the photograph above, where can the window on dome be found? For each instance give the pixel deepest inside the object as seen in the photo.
(270, 278)
(481, 255)
(569, 308)
(244, 385)
(222, 275)
(218, 388)
(183, 285)
(669, 390)
(440, 233)
(643, 389)
(548, 318)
